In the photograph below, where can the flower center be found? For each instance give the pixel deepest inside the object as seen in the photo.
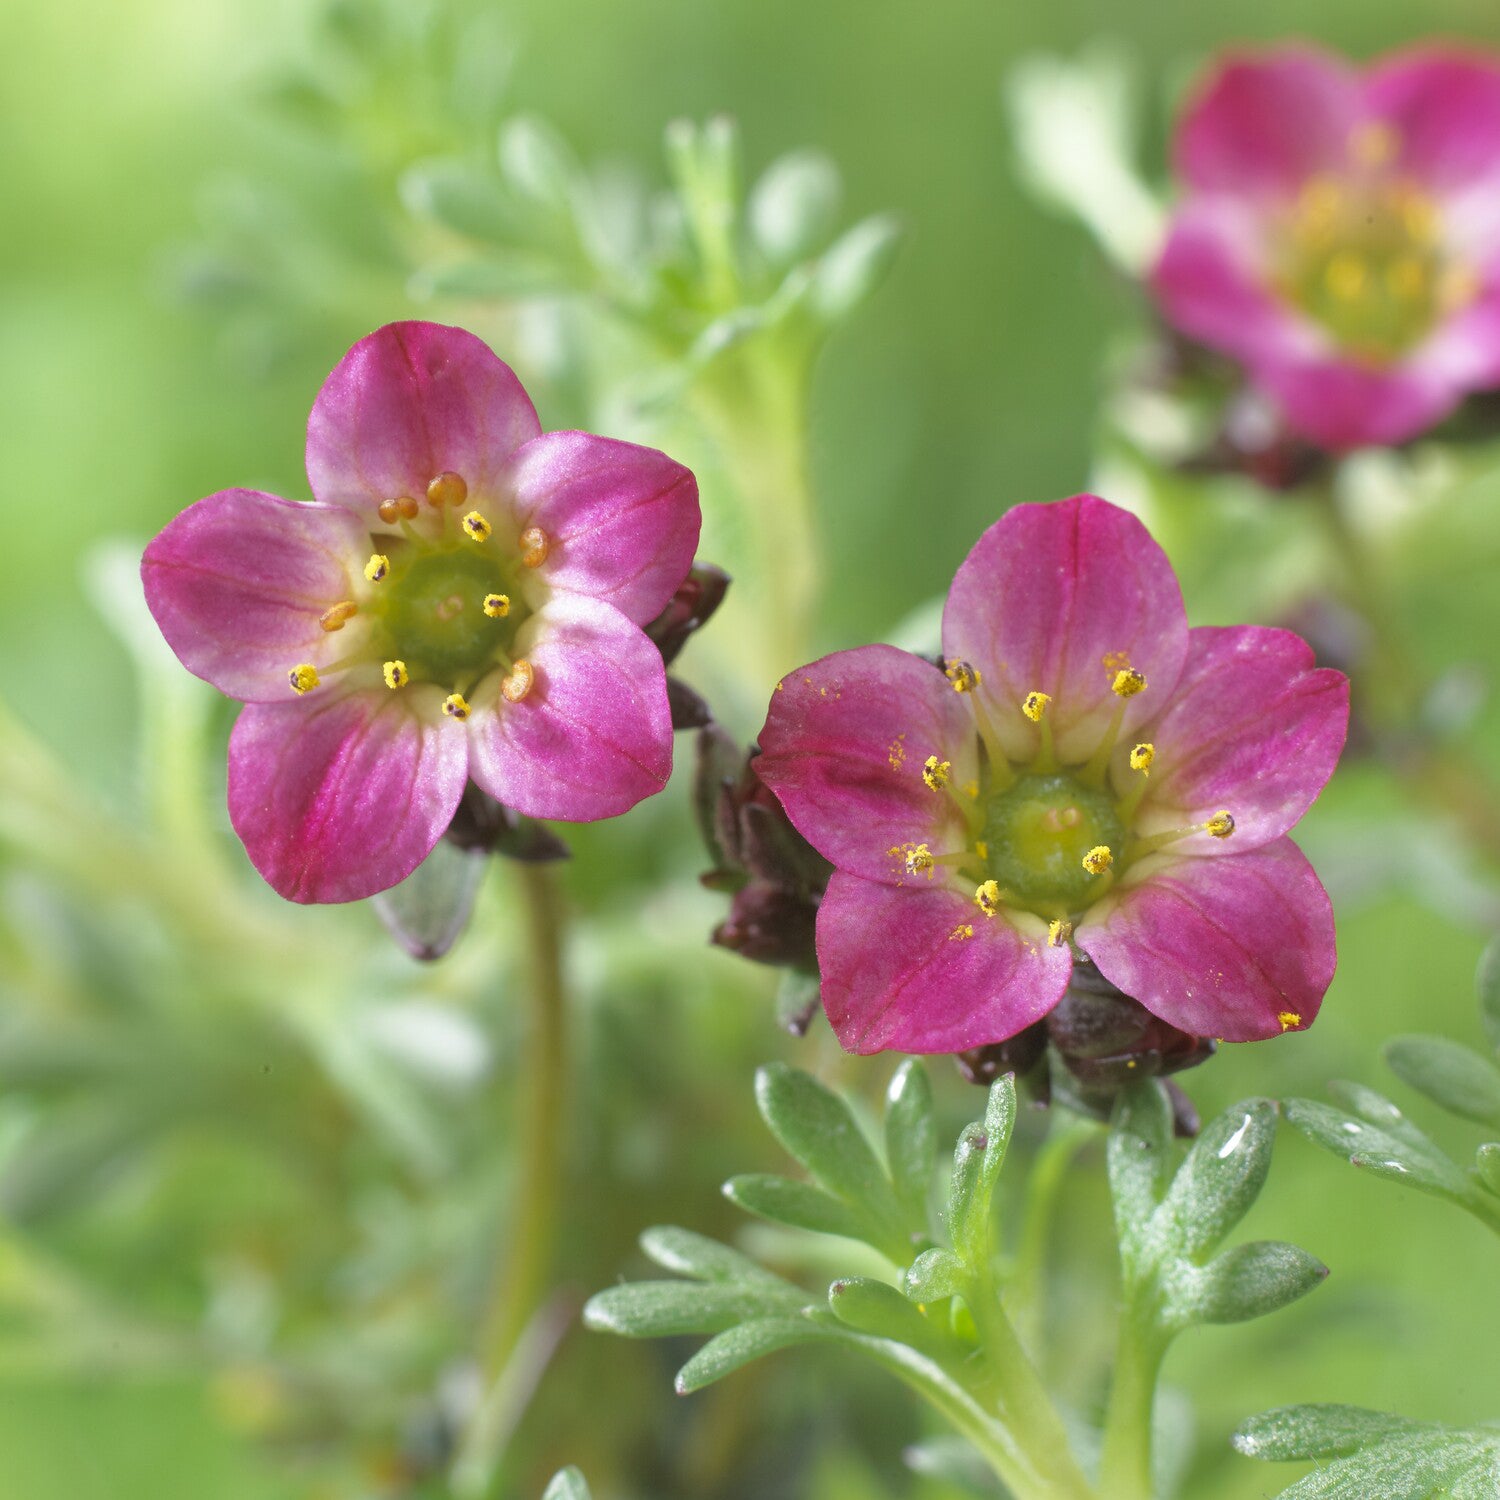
(1036, 837)
(433, 611)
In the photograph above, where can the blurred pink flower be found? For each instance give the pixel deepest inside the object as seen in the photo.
(1340, 235)
(1086, 770)
(463, 599)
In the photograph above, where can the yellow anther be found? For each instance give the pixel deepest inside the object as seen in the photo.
(987, 898)
(518, 681)
(389, 512)
(1034, 705)
(1141, 758)
(961, 932)
(964, 677)
(476, 527)
(396, 675)
(1058, 932)
(408, 507)
(456, 706)
(303, 677)
(535, 546)
(1128, 682)
(1320, 202)
(447, 488)
(497, 606)
(1221, 825)
(1375, 143)
(1406, 278)
(936, 772)
(377, 567)
(337, 615)
(1098, 859)
(1458, 287)
(982, 849)
(1290, 1020)
(1346, 276)
(919, 860)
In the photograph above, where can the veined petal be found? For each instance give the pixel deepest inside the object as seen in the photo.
(410, 402)
(844, 746)
(1239, 948)
(922, 970)
(1265, 122)
(1056, 598)
(340, 797)
(621, 520)
(238, 581)
(1444, 106)
(593, 735)
(1254, 728)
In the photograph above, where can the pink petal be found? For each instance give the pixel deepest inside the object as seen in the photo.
(1266, 122)
(844, 745)
(594, 735)
(1445, 107)
(337, 797)
(901, 969)
(1341, 405)
(1238, 948)
(1464, 353)
(1054, 598)
(238, 581)
(411, 401)
(621, 521)
(1254, 727)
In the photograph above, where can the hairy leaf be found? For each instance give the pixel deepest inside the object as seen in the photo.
(1449, 1074)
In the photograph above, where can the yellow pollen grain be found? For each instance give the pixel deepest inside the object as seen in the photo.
(447, 488)
(303, 677)
(896, 755)
(396, 675)
(377, 567)
(1098, 859)
(982, 849)
(987, 898)
(456, 706)
(1127, 683)
(1374, 143)
(964, 677)
(1058, 932)
(1221, 825)
(919, 860)
(961, 932)
(1346, 276)
(535, 545)
(1290, 1020)
(337, 615)
(1034, 705)
(476, 527)
(935, 772)
(971, 790)
(497, 606)
(517, 682)
(1141, 758)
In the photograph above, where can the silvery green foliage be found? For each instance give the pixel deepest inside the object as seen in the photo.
(567, 1484)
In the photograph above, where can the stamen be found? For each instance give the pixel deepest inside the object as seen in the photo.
(1374, 143)
(496, 606)
(337, 615)
(534, 547)
(396, 675)
(456, 706)
(919, 860)
(963, 677)
(1128, 682)
(1058, 932)
(935, 773)
(1406, 278)
(1098, 859)
(1034, 705)
(1221, 825)
(378, 566)
(447, 488)
(476, 527)
(1290, 1020)
(988, 898)
(303, 677)
(389, 512)
(518, 681)
(1141, 758)
(408, 507)
(1346, 276)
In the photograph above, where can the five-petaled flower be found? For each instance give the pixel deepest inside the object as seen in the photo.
(463, 599)
(1114, 781)
(1340, 235)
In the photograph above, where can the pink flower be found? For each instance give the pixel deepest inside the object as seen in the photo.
(1340, 235)
(463, 599)
(1086, 771)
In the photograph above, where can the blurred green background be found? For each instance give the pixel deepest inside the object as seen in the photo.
(970, 383)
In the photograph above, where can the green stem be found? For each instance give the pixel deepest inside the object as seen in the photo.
(1125, 1467)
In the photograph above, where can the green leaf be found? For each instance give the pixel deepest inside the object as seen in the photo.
(1319, 1431)
(1139, 1156)
(537, 162)
(792, 209)
(799, 1204)
(1487, 981)
(428, 911)
(854, 266)
(506, 278)
(1449, 1074)
(1487, 1165)
(873, 1307)
(1245, 1282)
(955, 1461)
(567, 1484)
(695, 1255)
(730, 1350)
(461, 199)
(976, 1166)
(911, 1138)
(1221, 1177)
(935, 1274)
(654, 1309)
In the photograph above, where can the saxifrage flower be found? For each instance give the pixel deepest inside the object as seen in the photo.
(463, 599)
(1086, 771)
(1340, 235)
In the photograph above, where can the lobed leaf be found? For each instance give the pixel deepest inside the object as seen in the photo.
(1318, 1431)
(567, 1484)
(800, 1204)
(1448, 1073)
(934, 1275)
(656, 1309)
(874, 1307)
(690, 1254)
(1221, 1177)
(1487, 982)
(911, 1138)
(1139, 1158)
(976, 1166)
(1247, 1281)
(740, 1346)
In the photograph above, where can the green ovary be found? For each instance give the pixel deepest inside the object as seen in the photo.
(432, 608)
(1036, 834)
